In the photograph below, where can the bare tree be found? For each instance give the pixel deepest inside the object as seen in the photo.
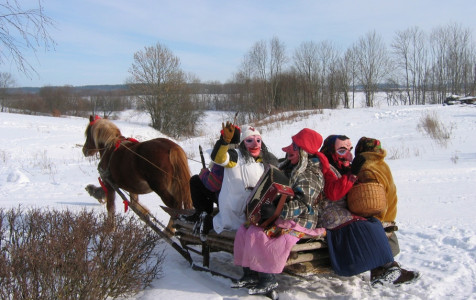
(347, 75)
(459, 58)
(453, 61)
(373, 64)
(317, 65)
(257, 61)
(6, 81)
(161, 87)
(278, 59)
(243, 100)
(265, 67)
(307, 65)
(23, 29)
(328, 57)
(410, 53)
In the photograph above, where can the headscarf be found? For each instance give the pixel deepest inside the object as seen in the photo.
(366, 144)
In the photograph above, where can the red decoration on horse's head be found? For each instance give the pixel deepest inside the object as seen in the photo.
(92, 121)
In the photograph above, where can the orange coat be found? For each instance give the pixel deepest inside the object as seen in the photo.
(375, 164)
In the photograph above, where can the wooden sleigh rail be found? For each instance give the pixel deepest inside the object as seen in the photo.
(308, 256)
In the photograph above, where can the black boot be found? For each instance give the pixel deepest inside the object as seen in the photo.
(266, 283)
(249, 279)
(190, 218)
(385, 275)
(407, 277)
(203, 226)
(392, 274)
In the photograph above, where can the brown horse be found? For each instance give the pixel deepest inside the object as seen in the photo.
(158, 165)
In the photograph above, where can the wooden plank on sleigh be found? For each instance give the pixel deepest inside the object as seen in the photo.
(299, 257)
(319, 244)
(183, 226)
(227, 238)
(308, 256)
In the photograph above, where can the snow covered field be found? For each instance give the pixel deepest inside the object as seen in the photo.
(41, 165)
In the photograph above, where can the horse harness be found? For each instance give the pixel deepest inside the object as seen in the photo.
(105, 173)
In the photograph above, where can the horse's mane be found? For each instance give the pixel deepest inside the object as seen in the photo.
(105, 133)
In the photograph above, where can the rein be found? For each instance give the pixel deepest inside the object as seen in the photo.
(117, 146)
(119, 143)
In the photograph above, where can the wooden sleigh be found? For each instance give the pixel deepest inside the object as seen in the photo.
(307, 256)
(310, 255)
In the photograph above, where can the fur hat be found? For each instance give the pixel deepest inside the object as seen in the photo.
(248, 131)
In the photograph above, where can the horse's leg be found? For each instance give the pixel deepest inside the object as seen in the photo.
(111, 206)
(170, 230)
(135, 202)
(168, 199)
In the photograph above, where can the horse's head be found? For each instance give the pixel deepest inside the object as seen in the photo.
(89, 147)
(100, 134)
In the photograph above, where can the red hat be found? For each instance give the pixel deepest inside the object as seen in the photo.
(308, 140)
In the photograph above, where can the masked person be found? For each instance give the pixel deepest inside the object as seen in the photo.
(356, 244)
(263, 252)
(243, 168)
(375, 169)
(205, 188)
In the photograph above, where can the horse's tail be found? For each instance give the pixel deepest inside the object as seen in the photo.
(180, 187)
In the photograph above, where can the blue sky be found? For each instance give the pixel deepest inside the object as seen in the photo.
(96, 39)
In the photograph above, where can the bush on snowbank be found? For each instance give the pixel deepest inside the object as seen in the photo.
(62, 255)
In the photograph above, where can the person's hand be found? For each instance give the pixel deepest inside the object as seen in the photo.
(267, 211)
(228, 131)
(357, 164)
(236, 136)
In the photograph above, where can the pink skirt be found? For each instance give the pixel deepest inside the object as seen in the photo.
(254, 249)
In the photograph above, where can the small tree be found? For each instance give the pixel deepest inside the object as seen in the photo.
(163, 90)
(373, 64)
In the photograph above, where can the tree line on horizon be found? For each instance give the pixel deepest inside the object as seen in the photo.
(416, 68)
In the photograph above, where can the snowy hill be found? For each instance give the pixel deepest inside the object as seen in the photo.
(41, 165)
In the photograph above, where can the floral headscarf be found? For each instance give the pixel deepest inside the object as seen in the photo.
(366, 144)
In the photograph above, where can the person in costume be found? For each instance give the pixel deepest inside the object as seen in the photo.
(356, 244)
(243, 168)
(375, 169)
(262, 252)
(205, 188)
